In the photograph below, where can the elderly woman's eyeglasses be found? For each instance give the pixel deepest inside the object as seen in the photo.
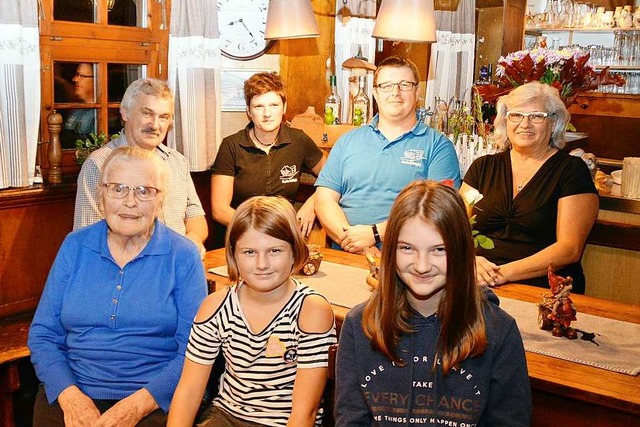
(120, 191)
(403, 86)
(535, 117)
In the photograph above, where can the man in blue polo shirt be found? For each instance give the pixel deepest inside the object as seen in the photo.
(368, 167)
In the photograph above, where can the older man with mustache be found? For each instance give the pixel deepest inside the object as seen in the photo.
(147, 112)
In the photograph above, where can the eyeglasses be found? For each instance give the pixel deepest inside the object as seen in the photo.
(83, 76)
(120, 191)
(403, 86)
(535, 117)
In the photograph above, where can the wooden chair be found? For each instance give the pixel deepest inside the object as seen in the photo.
(330, 388)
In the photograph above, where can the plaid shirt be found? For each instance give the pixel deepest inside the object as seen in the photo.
(181, 200)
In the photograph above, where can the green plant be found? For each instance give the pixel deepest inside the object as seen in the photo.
(84, 147)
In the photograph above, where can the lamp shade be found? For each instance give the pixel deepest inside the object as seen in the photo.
(290, 19)
(406, 20)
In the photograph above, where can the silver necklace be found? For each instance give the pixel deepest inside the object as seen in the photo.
(262, 143)
(520, 186)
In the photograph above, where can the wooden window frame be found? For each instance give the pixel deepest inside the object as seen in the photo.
(98, 43)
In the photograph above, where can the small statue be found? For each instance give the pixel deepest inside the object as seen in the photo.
(556, 311)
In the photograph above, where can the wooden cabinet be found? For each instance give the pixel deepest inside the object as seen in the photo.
(499, 29)
(612, 122)
(33, 224)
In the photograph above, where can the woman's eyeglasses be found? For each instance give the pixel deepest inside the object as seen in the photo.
(403, 86)
(535, 117)
(120, 191)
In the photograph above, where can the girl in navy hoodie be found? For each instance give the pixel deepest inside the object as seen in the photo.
(430, 347)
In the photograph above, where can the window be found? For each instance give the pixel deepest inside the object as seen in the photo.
(91, 50)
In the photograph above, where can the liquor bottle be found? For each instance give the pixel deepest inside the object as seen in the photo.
(360, 110)
(333, 104)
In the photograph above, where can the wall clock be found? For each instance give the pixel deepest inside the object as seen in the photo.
(242, 24)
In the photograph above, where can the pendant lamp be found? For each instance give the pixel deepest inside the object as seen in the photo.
(290, 19)
(406, 20)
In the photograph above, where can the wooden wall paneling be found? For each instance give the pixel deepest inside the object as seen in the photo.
(303, 62)
(33, 224)
(612, 273)
(499, 30)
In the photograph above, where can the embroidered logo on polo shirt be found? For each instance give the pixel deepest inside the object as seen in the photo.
(412, 157)
(288, 174)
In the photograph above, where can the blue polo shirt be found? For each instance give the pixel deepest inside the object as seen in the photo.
(369, 171)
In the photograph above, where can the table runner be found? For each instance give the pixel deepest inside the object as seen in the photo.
(618, 342)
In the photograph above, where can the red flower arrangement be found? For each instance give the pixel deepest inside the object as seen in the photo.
(565, 69)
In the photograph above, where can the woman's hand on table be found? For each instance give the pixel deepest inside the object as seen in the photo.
(78, 408)
(488, 273)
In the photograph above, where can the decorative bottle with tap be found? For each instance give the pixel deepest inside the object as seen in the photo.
(333, 104)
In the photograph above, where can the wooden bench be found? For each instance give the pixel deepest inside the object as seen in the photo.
(13, 346)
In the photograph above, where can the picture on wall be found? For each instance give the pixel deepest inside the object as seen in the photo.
(232, 88)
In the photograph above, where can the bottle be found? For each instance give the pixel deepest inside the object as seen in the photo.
(360, 110)
(332, 105)
(484, 77)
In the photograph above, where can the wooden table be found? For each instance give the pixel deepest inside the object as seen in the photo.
(564, 393)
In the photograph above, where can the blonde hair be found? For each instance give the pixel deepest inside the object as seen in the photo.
(273, 216)
(535, 91)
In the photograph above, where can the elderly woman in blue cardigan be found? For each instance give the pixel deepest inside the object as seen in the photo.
(109, 335)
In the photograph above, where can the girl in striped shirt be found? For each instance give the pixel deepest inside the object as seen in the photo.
(273, 331)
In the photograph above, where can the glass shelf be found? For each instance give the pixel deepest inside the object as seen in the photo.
(537, 30)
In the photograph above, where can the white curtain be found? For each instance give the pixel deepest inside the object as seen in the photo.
(19, 91)
(194, 76)
(354, 25)
(451, 63)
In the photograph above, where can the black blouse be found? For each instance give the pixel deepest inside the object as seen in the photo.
(526, 224)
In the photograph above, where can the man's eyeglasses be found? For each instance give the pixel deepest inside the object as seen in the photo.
(403, 86)
(83, 76)
(120, 191)
(535, 117)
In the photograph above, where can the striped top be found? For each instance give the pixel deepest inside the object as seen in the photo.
(257, 384)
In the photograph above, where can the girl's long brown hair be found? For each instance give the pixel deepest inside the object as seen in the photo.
(386, 317)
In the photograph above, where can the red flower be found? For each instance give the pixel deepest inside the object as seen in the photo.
(566, 70)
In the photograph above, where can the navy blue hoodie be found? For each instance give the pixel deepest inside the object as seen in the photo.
(489, 390)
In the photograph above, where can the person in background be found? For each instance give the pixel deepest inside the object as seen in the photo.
(109, 334)
(266, 158)
(81, 121)
(429, 346)
(273, 331)
(368, 167)
(539, 202)
(147, 111)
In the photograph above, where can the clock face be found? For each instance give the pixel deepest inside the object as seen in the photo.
(242, 24)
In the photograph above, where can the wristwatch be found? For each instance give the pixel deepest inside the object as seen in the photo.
(376, 235)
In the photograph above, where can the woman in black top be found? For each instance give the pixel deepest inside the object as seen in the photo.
(539, 202)
(266, 158)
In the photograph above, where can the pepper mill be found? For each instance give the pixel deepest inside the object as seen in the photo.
(54, 153)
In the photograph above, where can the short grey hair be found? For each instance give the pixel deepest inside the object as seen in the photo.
(147, 86)
(548, 96)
